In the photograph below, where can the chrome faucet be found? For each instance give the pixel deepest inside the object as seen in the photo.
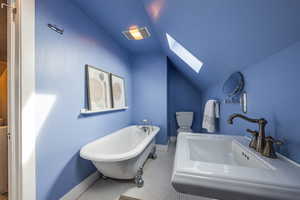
(145, 125)
(260, 139)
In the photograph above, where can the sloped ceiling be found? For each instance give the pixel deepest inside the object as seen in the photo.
(115, 16)
(226, 35)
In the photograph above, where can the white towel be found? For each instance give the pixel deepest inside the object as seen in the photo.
(211, 112)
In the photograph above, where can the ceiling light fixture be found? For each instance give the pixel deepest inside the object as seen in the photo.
(136, 33)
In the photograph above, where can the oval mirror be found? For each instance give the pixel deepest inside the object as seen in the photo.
(234, 85)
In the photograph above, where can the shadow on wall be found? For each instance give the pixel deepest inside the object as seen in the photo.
(73, 167)
(182, 96)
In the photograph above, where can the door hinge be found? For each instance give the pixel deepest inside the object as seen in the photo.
(6, 5)
(8, 135)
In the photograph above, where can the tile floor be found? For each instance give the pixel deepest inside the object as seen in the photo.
(157, 186)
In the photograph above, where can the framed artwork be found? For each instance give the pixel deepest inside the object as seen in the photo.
(118, 91)
(99, 88)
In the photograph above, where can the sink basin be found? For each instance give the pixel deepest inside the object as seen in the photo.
(224, 167)
(224, 151)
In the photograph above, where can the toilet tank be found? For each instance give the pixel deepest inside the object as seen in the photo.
(184, 119)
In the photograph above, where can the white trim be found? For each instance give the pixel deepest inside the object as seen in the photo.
(87, 112)
(79, 189)
(162, 147)
(25, 69)
(14, 165)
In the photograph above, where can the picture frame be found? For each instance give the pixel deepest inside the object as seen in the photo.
(98, 88)
(118, 91)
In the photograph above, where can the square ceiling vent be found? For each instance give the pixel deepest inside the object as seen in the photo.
(136, 33)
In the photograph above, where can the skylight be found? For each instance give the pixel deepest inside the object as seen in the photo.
(184, 54)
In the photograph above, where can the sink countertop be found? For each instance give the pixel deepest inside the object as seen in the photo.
(278, 176)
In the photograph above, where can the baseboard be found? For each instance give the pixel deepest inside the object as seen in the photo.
(162, 147)
(173, 139)
(81, 187)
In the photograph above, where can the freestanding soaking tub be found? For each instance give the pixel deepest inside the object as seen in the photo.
(121, 155)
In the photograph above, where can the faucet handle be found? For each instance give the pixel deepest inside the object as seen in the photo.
(271, 139)
(253, 142)
(269, 149)
(254, 133)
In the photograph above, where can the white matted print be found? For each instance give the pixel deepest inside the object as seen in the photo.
(99, 88)
(118, 91)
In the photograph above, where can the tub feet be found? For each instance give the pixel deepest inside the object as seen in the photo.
(139, 179)
(139, 182)
(153, 154)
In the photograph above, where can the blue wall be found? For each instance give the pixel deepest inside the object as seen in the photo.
(273, 93)
(149, 79)
(272, 87)
(182, 96)
(60, 86)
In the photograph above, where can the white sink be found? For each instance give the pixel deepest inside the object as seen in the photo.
(223, 167)
(222, 150)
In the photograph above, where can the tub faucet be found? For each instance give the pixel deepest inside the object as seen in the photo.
(261, 139)
(145, 125)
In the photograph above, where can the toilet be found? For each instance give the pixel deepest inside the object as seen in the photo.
(184, 121)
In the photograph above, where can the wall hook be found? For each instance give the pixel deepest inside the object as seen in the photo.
(56, 29)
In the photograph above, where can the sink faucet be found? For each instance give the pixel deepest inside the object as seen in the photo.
(261, 139)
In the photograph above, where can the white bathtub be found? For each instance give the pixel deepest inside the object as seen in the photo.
(121, 154)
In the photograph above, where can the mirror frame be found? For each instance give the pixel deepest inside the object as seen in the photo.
(239, 88)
